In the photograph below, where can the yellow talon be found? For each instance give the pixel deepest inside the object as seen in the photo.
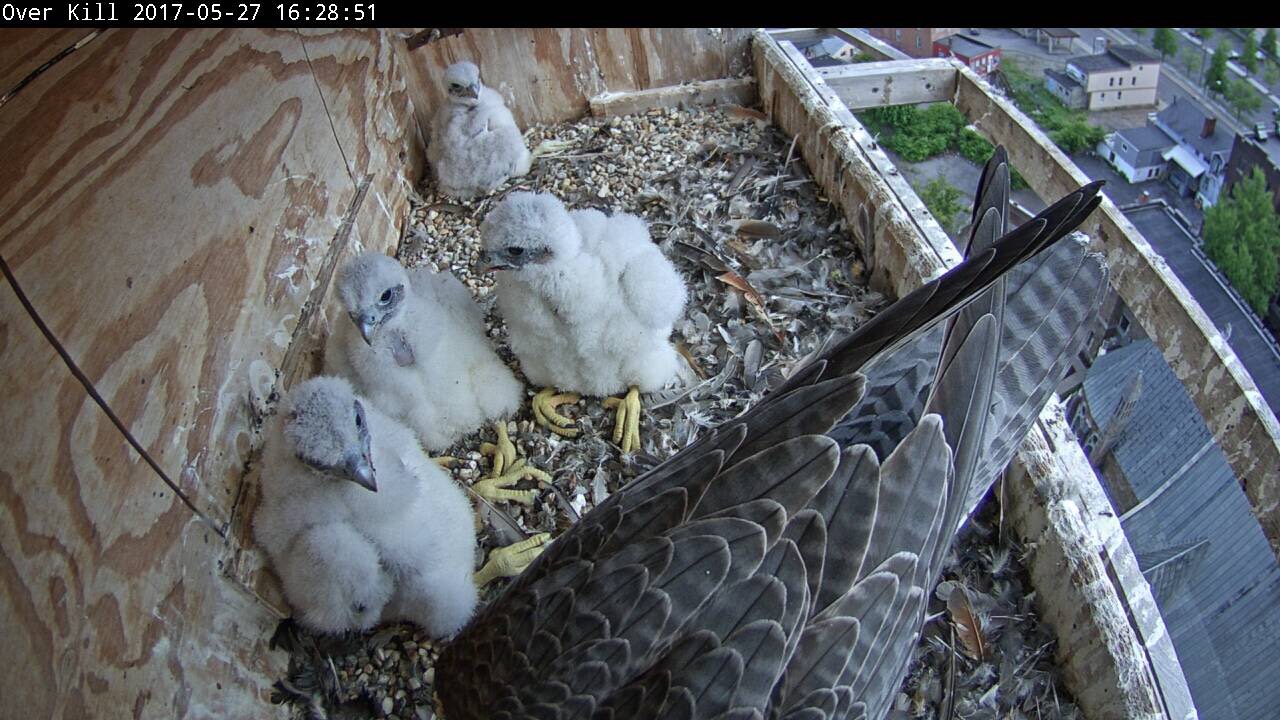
(495, 489)
(511, 560)
(503, 452)
(445, 461)
(544, 411)
(626, 428)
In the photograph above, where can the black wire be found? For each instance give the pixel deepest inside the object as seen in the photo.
(93, 393)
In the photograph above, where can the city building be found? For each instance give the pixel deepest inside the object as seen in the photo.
(916, 42)
(1123, 76)
(1137, 153)
(982, 58)
(1247, 154)
(1198, 161)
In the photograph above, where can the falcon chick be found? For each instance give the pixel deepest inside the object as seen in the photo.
(361, 526)
(416, 346)
(589, 302)
(475, 143)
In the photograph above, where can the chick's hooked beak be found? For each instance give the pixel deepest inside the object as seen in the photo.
(472, 91)
(359, 470)
(490, 263)
(367, 325)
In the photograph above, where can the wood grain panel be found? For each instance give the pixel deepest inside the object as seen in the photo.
(548, 74)
(111, 604)
(167, 203)
(22, 51)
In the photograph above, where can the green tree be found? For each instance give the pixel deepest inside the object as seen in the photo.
(1270, 72)
(1204, 33)
(1165, 41)
(1193, 58)
(1249, 53)
(1215, 79)
(1077, 136)
(1241, 97)
(1269, 42)
(943, 201)
(1242, 237)
(1141, 32)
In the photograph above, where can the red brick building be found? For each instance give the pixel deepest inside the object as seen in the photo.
(916, 42)
(979, 56)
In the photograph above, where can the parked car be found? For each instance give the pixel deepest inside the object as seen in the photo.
(1260, 131)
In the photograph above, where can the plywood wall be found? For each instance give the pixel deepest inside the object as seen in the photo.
(168, 202)
(547, 75)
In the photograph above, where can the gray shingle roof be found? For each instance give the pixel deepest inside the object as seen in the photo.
(1097, 63)
(1165, 430)
(1132, 54)
(1117, 57)
(1146, 138)
(1221, 603)
(1188, 121)
(1062, 79)
(966, 46)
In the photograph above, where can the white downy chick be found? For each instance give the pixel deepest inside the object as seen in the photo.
(361, 526)
(589, 300)
(417, 347)
(475, 143)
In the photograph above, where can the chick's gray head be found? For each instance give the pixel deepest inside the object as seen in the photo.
(528, 231)
(372, 290)
(326, 428)
(462, 83)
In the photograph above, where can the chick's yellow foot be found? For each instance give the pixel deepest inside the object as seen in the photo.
(445, 461)
(494, 489)
(511, 560)
(544, 411)
(503, 452)
(626, 429)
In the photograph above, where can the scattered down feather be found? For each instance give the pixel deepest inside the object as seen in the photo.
(770, 570)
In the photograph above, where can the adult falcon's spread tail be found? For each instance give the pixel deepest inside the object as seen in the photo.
(779, 568)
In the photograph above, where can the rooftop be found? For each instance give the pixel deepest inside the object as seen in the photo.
(1097, 63)
(1218, 600)
(1060, 32)
(1132, 54)
(966, 46)
(1188, 121)
(1117, 57)
(1146, 137)
(1062, 78)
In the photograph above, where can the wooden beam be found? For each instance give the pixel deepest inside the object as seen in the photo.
(740, 91)
(1222, 389)
(895, 82)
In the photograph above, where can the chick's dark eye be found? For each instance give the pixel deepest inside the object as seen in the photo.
(386, 297)
(515, 250)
